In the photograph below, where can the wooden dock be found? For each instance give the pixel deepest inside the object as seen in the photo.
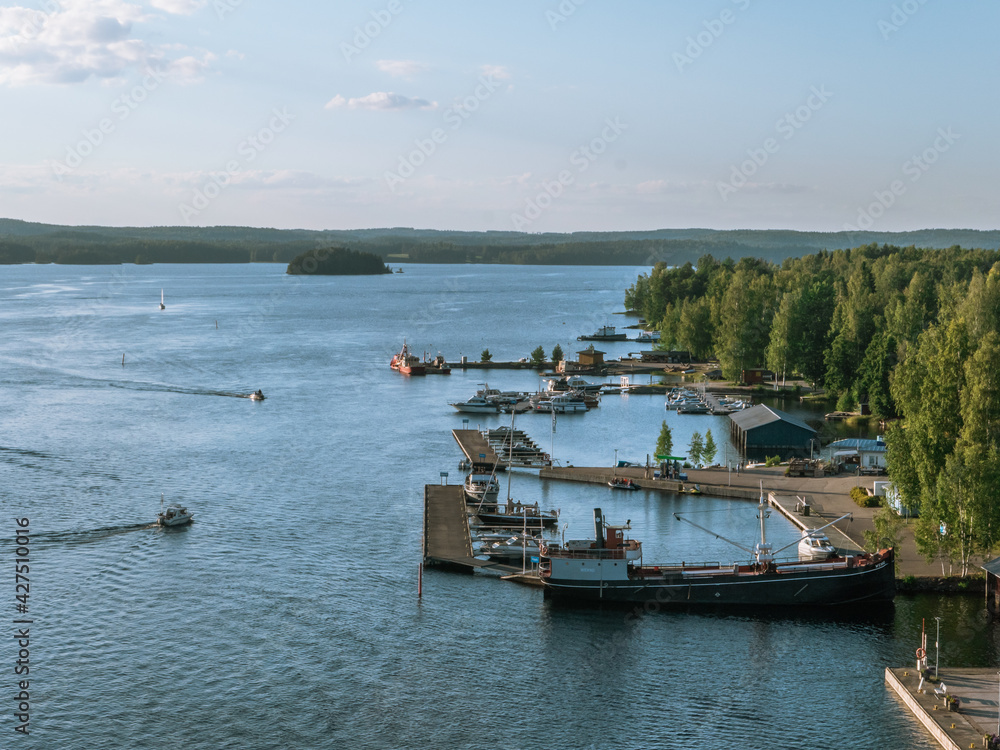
(475, 447)
(447, 542)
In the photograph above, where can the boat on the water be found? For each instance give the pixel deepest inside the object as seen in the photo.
(162, 306)
(623, 483)
(610, 569)
(648, 337)
(406, 363)
(257, 395)
(604, 333)
(477, 405)
(512, 515)
(436, 366)
(173, 515)
(481, 486)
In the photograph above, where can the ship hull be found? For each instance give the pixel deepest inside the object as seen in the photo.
(841, 587)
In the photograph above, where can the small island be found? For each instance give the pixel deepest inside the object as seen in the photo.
(337, 261)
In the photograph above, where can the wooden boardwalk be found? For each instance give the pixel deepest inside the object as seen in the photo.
(447, 542)
(475, 447)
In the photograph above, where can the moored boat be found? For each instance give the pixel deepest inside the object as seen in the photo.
(477, 405)
(406, 363)
(623, 483)
(604, 333)
(610, 569)
(436, 366)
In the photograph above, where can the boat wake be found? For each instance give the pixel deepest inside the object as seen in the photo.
(166, 388)
(86, 536)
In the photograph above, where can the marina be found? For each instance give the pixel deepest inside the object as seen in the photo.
(345, 615)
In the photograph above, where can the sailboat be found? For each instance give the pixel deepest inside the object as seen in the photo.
(162, 306)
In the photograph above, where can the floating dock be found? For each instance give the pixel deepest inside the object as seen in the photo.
(447, 542)
(976, 690)
(501, 448)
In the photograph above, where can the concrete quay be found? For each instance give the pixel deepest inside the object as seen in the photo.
(976, 690)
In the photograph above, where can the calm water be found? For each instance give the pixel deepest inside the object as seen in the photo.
(287, 616)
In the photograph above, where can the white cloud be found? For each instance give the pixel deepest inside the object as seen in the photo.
(84, 39)
(401, 68)
(500, 72)
(179, 7)
(379, 100)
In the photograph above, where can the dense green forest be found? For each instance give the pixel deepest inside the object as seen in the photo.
(337, 261)
(26, 242)
(915, 333)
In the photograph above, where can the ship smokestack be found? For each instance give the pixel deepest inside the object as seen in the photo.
(599, 528)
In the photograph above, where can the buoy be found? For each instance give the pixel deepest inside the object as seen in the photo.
(921, 653)
(420, 580)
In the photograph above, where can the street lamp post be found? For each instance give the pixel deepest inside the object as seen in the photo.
(937, 646)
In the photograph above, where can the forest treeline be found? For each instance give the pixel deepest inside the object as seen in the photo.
(336, 261)
(914, 333)
(27, 242)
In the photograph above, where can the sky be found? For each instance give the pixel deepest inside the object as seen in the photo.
(527, 115)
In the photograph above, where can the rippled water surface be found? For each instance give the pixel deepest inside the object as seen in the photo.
(287, 615)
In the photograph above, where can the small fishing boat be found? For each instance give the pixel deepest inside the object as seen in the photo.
(436, 366)
(623, 483)
(481, 487)
(512, 515)
(173, 515)
(257, 395)
(696, 490)
(407, 363)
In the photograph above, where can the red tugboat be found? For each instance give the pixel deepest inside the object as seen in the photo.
(407, 363)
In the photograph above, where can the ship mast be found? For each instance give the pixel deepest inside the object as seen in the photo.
(762, 550)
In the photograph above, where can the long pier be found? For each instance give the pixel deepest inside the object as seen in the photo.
(447, 541)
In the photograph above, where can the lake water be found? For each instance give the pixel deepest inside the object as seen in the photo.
(286, 615)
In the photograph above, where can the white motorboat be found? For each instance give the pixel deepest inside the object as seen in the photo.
(567, 403)
(173, 515)
(477, 405)
(481, 488)
(814, 545)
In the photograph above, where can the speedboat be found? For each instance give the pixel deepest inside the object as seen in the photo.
(173, 515)
(623, 483)
(477, 405)
(512, 548)
(481, 488)
(257, 395)
(814, 545)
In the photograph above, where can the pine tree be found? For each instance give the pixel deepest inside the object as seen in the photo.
(557, 354)
(665, 444)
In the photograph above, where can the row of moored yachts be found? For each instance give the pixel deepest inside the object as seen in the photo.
(686, 401)
(504, 532)
(561, 396)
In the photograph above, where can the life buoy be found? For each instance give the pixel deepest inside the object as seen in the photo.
(921, 653)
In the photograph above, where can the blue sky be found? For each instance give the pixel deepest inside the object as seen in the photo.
(552, 115)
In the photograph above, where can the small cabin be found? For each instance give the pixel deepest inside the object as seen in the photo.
(756, 376)
(591, 357)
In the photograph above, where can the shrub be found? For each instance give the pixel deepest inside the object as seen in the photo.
(486, 356)
(772, 460)
(861, 498)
